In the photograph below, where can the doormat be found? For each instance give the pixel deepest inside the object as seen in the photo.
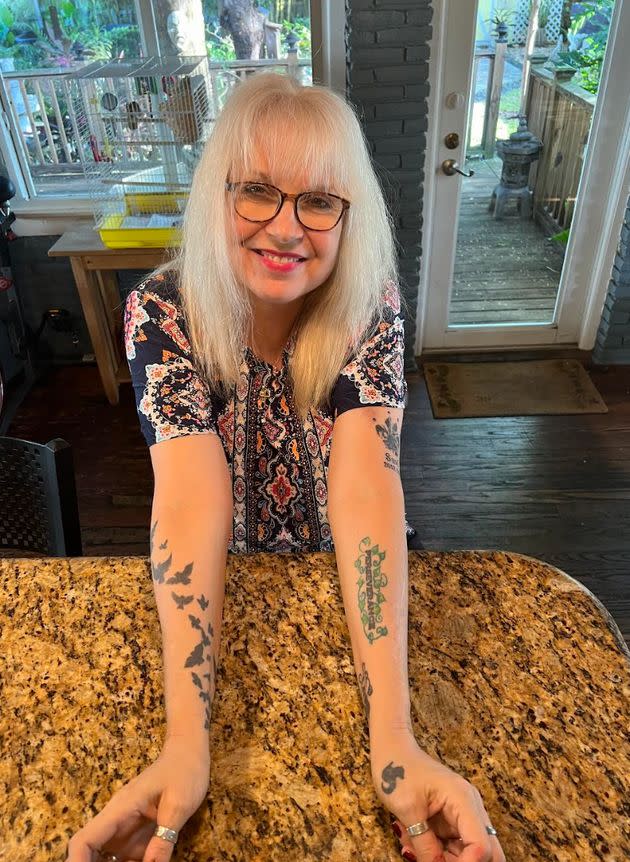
(540, 388)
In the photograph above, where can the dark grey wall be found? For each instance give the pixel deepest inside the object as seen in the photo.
(613, 339)
(387, 80)
(44, 282)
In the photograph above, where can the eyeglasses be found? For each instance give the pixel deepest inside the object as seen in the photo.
(260, 202)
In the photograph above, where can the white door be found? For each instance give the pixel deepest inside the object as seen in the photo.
(501, 283)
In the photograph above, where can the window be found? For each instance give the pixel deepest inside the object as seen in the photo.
(43, 43)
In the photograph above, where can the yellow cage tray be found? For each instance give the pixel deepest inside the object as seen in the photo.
(142, 204)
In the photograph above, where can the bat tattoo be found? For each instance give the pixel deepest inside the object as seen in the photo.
(198, 657)
(391, 438)
(370, 584)
(389, 777)
(365, 687)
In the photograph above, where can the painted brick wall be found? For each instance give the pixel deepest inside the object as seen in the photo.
(387, 80)
(613, 338)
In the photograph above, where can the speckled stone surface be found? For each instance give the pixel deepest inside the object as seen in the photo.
(519, 681)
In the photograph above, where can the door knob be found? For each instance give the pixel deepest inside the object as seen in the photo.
(450, 167)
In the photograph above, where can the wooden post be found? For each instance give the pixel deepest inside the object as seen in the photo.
(272, 40)
(293, 68)
(529, 47)
(494, 102)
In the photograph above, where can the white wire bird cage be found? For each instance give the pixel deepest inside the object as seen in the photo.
(142, 125)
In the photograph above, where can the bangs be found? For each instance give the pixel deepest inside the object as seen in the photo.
(297, 144)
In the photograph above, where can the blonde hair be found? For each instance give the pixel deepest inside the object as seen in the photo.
(324, 139)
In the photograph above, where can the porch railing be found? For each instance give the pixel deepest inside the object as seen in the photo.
(560, 114)
(495, 55)
(42, 130)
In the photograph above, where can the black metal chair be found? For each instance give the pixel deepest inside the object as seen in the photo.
(38, 498)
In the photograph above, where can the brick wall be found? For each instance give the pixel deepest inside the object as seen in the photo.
(387, 80)
(613, 338)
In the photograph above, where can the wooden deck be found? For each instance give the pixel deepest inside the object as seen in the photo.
(506, 271)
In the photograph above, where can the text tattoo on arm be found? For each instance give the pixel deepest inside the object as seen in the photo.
(370, 585)
(198, 656)
(390, 436)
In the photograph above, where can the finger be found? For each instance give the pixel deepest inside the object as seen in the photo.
(171, 814)
(84, 844)
(442, 828)
(496, 850)
(453, 849)
(470, 818)
(426, 847)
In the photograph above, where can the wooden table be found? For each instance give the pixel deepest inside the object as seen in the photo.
(519, 680)
(94, 266)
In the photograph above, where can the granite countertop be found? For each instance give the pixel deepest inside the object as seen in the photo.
(519, 680)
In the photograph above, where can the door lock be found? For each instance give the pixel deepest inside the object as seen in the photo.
(451, 141)
(450, 167)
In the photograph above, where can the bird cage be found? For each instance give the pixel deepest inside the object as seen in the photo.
(142, 125)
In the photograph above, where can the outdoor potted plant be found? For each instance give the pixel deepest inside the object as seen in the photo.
(543, 19)
(501, 20)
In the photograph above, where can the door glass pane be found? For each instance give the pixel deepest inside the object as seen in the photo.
(516, 211)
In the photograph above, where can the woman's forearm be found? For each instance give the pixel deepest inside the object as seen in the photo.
(371, 553)
(188, 559)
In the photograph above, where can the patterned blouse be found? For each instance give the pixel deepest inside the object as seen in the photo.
(278, 464)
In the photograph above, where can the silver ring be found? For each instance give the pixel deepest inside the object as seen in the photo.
(491, 830)
(108, 857)
(166, 833)
(418, 828)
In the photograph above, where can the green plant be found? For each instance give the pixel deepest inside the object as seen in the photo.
(66, 31)
(562, 237)
(301, 28)
(502, 16)
(543, 13)
(220, 48)
(7, 36)
(590, 54)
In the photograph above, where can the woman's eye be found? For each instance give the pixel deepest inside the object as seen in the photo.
(319, 202)
(258, 189)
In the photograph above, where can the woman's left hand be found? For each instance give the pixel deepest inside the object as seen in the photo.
(414, 786)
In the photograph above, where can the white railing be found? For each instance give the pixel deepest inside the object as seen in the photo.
(40, 138)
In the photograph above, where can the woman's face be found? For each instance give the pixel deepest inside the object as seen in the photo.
(284, 233)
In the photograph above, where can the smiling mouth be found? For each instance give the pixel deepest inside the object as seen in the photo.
(279, 258)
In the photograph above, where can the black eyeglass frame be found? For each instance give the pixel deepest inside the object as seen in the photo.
(295, 198)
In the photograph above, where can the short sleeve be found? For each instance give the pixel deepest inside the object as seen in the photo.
(375, 375)
(172, 398)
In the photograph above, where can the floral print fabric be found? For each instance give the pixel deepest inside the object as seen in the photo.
(278, 464)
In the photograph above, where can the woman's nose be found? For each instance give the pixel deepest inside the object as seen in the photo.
(285, 224)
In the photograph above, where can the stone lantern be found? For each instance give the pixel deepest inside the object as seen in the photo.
(517, 155)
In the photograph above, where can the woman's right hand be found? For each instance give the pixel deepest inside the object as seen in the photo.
(167, 793)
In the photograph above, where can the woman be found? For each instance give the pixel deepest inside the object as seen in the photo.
(267, 362)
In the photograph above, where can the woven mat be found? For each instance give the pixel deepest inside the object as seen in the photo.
(542, 387)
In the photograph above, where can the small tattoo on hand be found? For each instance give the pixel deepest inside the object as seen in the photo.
(390, 775)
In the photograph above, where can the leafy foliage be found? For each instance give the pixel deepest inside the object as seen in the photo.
(588, 58)
(66, 32)
(302, 29)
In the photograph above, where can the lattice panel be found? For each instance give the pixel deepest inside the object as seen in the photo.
(521, 21)
(23, 510)
(555, 19)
